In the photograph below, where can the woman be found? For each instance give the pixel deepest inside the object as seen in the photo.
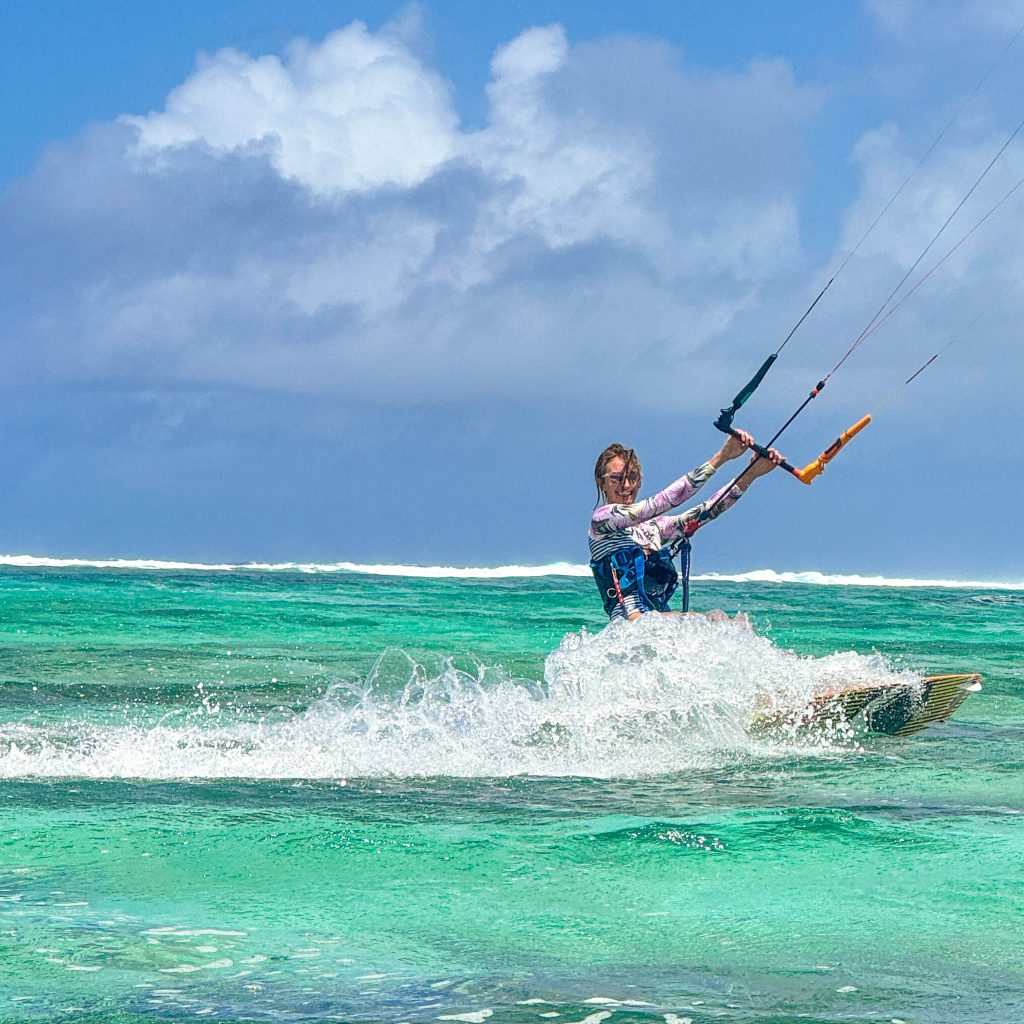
(630, 541)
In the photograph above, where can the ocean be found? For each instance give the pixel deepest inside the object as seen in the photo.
(386, 793)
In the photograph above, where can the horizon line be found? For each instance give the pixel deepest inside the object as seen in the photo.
(510, 571)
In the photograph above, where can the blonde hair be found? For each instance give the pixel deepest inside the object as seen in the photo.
(616, 451)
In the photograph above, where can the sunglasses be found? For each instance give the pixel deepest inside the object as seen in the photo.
(622, 478)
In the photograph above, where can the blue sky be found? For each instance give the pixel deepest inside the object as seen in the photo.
(369, 282)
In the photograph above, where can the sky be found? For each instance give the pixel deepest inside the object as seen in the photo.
(371, 282)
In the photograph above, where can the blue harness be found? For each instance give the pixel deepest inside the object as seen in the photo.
(631, 571)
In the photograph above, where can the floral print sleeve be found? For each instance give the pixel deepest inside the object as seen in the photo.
(673, 527)
(610, 518)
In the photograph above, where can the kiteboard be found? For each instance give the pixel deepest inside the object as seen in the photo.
(895, 709)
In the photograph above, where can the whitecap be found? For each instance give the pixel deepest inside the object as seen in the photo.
(511, 571)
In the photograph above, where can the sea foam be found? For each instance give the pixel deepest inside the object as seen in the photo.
(568, 569)
(412, 571)
(662, 695)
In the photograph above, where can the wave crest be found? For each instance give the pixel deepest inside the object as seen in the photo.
(569, 569)
(412, 571)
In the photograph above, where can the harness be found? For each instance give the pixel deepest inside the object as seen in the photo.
(652, 578)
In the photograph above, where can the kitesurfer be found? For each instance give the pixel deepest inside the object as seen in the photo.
(631, 541)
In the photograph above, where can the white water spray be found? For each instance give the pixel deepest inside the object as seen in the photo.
(662, 695)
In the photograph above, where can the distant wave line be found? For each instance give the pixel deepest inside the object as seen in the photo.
(820, 579)
(567, 569)
(422, 571)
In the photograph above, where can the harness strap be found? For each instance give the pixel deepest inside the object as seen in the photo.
(684, 571)
(630, 573)
(618, 589)
(683, 548)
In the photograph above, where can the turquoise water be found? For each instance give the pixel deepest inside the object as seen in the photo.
(286, 796)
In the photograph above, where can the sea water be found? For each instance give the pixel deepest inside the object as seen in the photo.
(311, 793)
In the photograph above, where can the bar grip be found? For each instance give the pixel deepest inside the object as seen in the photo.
(759, 449)
(817, 467)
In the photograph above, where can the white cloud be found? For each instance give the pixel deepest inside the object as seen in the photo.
(885, 156)
(565, 179)
(353, 113)
(948, 19)
(615, 249)
(375, 273)
(320, 223)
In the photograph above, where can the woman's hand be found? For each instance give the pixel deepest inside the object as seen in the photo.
(734, 447)
(760, 466)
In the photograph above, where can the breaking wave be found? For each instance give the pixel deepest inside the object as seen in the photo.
(662, 695)
(821, 579)
(810, 577)
(413, 571)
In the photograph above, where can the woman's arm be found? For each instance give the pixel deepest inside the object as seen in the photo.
(673, 527)
(609, 518)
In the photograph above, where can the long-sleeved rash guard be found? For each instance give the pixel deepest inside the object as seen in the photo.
(645, 523)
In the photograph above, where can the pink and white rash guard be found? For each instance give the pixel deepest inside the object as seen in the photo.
(646, 523)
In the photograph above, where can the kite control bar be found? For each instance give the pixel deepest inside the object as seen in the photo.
(760, 449)
(817, 467)
(813, 469)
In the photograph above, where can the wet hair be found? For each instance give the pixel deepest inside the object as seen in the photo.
(631, 464)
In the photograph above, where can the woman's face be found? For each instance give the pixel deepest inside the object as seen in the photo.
(619, 490)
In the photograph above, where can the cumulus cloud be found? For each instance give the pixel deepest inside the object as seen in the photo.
(970, 272)
(319, 222)
(216, 311)
(950, 19)
(353, 113)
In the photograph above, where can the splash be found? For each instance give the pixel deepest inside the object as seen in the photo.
(663, 695)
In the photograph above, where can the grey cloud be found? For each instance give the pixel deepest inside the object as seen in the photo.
(207, 265)
(201, 350)
(618, 201)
